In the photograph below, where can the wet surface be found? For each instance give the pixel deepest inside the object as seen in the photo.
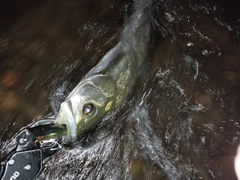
(182, 122)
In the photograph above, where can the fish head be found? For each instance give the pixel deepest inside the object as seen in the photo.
(87, 105)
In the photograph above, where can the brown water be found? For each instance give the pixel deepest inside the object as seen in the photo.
(181, 123)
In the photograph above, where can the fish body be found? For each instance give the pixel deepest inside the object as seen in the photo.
(107, 85)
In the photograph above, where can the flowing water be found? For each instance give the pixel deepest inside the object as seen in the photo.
(180, 122)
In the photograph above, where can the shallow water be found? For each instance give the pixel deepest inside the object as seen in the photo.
(181, 122)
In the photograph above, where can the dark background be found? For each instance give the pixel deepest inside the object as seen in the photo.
(192, 109)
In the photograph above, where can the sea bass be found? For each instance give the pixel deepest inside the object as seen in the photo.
(107, 85)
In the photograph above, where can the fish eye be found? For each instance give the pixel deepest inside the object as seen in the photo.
(88, 109)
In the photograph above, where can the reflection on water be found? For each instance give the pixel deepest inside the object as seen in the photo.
(181, 123)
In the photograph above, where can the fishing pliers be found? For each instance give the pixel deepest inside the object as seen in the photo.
(34, 144)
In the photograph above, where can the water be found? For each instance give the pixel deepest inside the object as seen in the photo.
(181, 122)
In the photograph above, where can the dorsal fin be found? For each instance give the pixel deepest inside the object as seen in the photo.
(110, 59)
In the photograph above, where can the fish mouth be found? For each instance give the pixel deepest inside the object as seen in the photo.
(66, 117)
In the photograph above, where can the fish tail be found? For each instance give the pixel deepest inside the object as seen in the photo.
(136, 8)
(140, 5)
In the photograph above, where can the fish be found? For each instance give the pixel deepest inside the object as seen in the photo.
(107, 85)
